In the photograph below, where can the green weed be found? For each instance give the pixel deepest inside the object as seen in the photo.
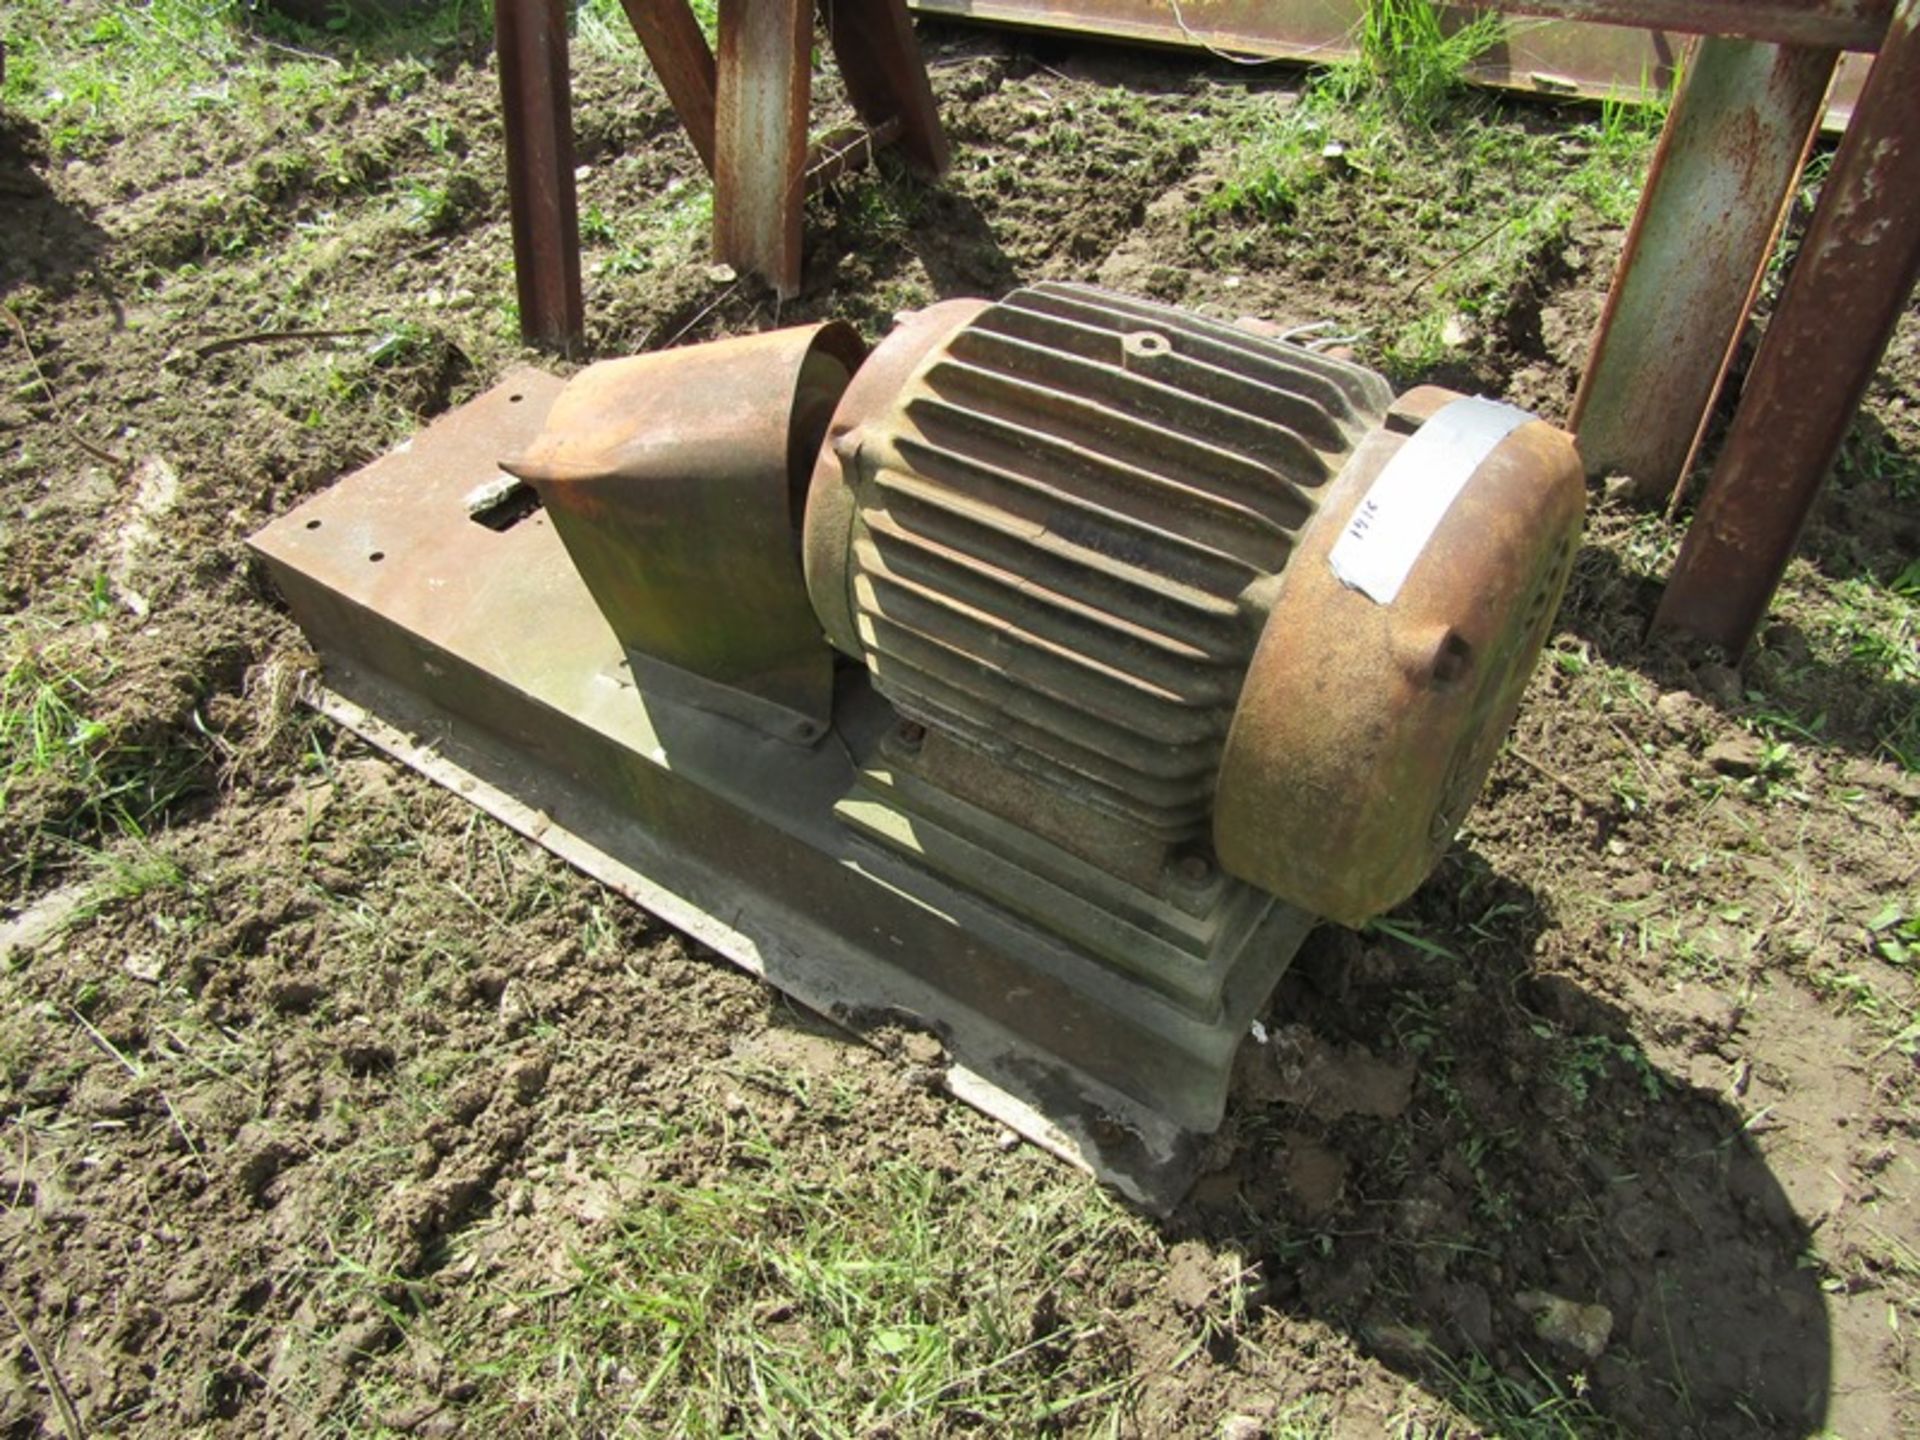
(1620, 147)
(125, 874)
(1896, 933)
(1408, 54)
(67, 773)
(601, 26)
(1871, 457)
(44, 728)
(1276, 167)
(1493, 1402)
(121, 67)
(1580, 1062)
(667, 232)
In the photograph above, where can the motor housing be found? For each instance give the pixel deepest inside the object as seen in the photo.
(1091, 541)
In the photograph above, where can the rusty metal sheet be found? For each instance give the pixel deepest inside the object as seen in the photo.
(678, 51)
(535, 94)
(1855, 271)
(760, 152)
(1719, 184)
(674, 480)
(1540, 56)
(886, 79)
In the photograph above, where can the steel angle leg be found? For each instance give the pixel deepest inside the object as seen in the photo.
(760, 150)
(886, 79)
(1718, 188)
(531, 37)
(678, 51)
(1856, 269)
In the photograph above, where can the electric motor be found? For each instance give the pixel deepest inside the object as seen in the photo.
(1144, 570)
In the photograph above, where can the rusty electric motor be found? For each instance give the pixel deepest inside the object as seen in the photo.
(1170, 637)
(1218, 589)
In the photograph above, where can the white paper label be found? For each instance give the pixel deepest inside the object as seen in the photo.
(1403, 507)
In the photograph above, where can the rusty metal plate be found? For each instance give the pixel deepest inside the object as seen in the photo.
(537, 106)
(885, 77)
(675, 480)
(681, 57)
(760, 137)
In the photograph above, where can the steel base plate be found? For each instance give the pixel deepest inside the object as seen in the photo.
(467, 647)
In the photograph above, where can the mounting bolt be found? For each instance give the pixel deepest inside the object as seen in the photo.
(909, 734)
(1191, 867)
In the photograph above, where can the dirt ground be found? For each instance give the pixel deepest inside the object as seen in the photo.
(327, 1106)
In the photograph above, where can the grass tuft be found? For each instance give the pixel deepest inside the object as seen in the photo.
(1409, 55)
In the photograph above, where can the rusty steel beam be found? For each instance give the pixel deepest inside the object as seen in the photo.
(1719, 185)
(760, 154)
(535, 95)
(1856, 268)
(1831, 24)
(1259, 26)
(886, 79)
(678, 51)
(1547, 57)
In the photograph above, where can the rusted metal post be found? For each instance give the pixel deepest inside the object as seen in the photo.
(1719, 185)
(885, 77)
(680, 56)
(531, 38)
(1856, 268)
(760, 151)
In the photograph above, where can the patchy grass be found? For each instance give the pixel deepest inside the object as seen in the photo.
(1374, 135)
(133, 65)
(873, 1298)
(1410, 59)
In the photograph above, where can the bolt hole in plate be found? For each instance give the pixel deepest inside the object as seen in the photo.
(313, 524)
(377, 556)
(502, 502)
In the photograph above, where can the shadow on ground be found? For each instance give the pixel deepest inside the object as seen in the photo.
(1473, 1169)
(445, 37)
(1850, 704)
(43, 240)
